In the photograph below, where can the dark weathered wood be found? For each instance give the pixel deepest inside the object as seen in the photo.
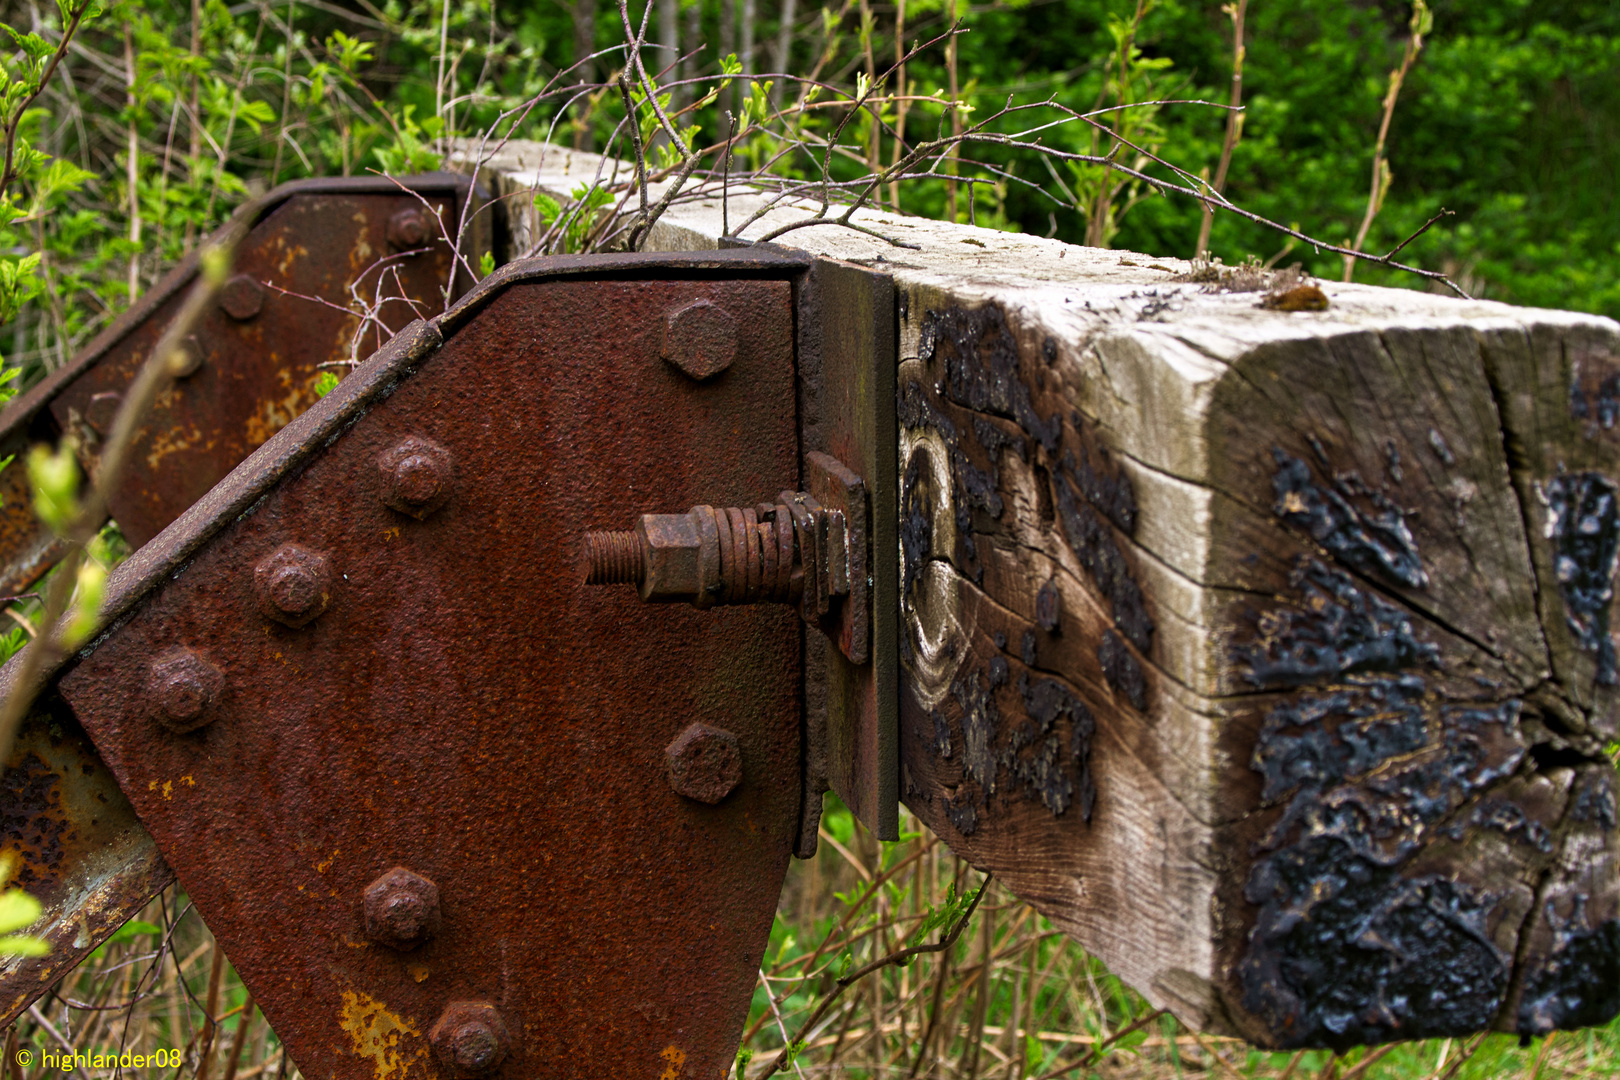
(1266, 653)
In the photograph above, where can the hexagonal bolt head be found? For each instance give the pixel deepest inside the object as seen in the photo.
(408, 229)
(470, 1039)
(294, 584)
(681, 554)
(242, 297)
(416, 476)
(182, 688)
(700, 339)
(705, 763)
(402, 909)
(102, 411)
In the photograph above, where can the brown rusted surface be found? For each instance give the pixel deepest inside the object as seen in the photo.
(81, 852)
(245, 380)
(464, 710)
(259, 378)
(96, 865)
(260, 352)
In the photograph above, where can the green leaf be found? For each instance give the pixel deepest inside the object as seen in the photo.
(87, 596)
(18, 910)
(548, 208)
(23, 945)
(54, 476)
(325, 383)
(486, 264)
(135, 928)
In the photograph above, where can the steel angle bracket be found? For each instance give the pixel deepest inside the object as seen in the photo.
(256, 355)
(847, 361)
(81, 850)
(447, 810)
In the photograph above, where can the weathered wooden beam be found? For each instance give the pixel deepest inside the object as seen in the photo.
(1265, 651)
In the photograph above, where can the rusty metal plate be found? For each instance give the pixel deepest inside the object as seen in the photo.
(260, 351)
(80, 850)
(457, 705)
(848, 325)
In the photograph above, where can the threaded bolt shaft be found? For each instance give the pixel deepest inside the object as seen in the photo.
(614, 558)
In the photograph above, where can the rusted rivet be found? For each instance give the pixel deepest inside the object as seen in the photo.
(470, 1039)
(700, 339)
(402, 909)
(102, 410)
(186, 359)
(242, 297)
(182, 688)
(294, 584)
(416, 474)
(408, 229)
(705, 763)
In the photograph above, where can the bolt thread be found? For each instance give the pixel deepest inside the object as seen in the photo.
(747, 574)
(614, 558)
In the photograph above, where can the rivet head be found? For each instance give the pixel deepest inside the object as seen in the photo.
(705, 763)
(416, 476)
(470, 1039)
(182, 688)
(402, 909)
(408, 229)
(294, 584)
(102, 410)
(187, 358)
(242, 297)
(700, 339)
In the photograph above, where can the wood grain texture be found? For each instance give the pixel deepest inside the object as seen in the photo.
(1269, 654)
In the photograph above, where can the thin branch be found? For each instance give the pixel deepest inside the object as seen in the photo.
(899, 957)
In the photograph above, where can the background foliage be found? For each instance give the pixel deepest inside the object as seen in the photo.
(1508, 118)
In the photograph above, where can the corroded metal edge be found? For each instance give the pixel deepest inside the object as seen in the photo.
(84, 855)
(731, 263)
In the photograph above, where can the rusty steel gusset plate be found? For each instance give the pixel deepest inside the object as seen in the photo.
(448, 811)
(79, 850)
(256, 354)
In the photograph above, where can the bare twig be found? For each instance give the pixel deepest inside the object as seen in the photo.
(1234, 122)
(1381, 176)
(899, 957)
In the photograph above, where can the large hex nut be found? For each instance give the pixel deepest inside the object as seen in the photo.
(700, 339)
(182, 688)
(682, 554)
(469, 1039)
(242, 297)
(402, 909)
(294, 585)
(705, 763)
(416, 474)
